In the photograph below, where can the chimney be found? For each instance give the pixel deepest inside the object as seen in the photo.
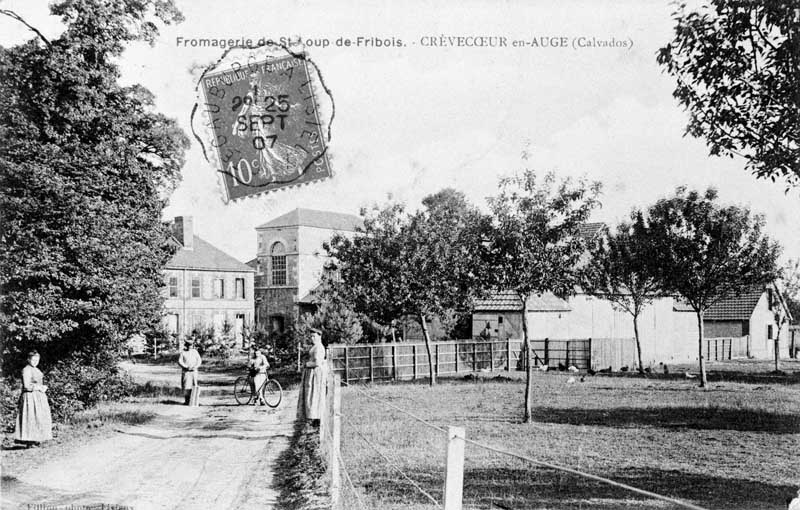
(183, 231)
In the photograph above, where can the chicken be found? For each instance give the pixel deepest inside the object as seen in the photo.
(571, 380)
(543, 368)
(591, 372)
(795, 503)
(561, 367)
(605, 370)
(648, 370)
(572, 368)
(690, 376)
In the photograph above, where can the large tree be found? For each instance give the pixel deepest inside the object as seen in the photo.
(426, 264)
(85, 164)
(619, 271)
(737, 65)
(536, 243)
(706, 252)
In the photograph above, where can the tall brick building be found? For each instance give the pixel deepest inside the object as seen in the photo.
(205, 286)
(289, 262)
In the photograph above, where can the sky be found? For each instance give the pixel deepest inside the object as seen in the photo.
(414, 119)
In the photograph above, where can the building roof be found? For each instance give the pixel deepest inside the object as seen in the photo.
(312, 218)
(589, 230)
(205, 256)
(507, 300)
(312, 296)
(735, 307)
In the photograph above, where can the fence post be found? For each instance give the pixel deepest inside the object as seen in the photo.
(730, 349)
(546, 351)
(394, 362)
(325, 419)
(371, 370)
(336, 437)
(491, 356)
(437, 359)
(346, 378)
(455, 345)
(298, 357)
(508, 354)
(454, 478)
(474, 356)
(414, 355)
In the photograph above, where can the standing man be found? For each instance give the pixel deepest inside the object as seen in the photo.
(189, 361)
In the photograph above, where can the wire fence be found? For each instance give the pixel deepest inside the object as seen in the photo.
(430, 490)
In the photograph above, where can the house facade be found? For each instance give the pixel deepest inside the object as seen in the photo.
(667, 327)
(751, 314)
(205, 286)
(289, 262)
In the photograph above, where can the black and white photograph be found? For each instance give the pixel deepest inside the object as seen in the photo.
(457, 255)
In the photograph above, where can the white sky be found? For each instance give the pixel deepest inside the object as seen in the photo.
(412, 120)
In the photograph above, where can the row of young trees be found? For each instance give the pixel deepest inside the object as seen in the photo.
(440, 259)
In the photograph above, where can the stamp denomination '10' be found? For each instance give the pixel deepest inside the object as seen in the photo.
(265, 125)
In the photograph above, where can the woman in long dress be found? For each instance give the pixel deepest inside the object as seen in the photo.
(34, 423)
(311, 403)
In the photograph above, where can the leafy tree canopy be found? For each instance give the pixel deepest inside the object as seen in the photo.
(84, 164)
(737, 64)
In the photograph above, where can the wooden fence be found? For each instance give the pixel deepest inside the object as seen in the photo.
(727, 348)
(406, 360)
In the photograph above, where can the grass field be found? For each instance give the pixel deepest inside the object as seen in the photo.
(733, 446)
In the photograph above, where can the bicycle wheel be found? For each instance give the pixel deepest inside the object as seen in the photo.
(242, 391)
(272, 393)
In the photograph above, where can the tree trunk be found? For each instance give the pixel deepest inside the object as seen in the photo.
(529, 369)
(427, 337)
(638, 344)
(703, 379)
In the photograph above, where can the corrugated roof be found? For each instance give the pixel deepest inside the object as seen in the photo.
(205, 256)
(509, 301)
(313, 218)
(735, 307)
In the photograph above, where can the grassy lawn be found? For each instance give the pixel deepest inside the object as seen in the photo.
(733, 446)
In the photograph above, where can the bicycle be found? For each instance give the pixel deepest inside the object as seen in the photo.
(270, 389)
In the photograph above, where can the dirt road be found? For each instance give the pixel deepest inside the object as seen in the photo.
(218, 455)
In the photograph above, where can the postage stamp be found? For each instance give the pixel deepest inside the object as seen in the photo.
(263, 125)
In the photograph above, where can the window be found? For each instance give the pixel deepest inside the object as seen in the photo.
(278, 253)
(770, 300)
(500, 319)
(239, 290)
(219, 288)
(195, 286)
(173, 286)
(769, 331)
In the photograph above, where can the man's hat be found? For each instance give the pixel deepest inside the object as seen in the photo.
(188, 343)
(315, 330)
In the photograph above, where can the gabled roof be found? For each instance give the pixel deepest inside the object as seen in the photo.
(589, 231)
(504, 300)
(736, 307)
(312, 218)
(205, 256)
(507, 300)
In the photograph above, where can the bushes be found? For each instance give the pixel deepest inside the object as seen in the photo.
(10, 389)
(73, 386)
(218, 344)
(280, 348)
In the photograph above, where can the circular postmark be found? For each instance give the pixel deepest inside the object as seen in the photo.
(262, 124)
